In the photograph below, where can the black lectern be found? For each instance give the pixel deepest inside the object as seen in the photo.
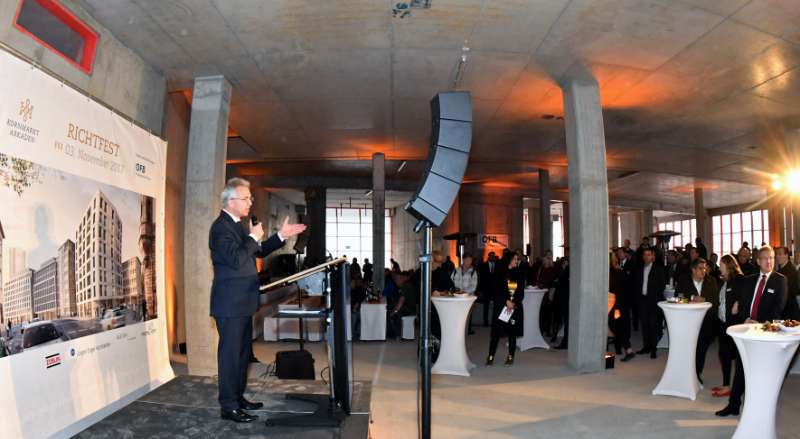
(331, 409)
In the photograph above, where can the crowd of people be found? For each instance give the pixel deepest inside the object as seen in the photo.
(735, 285)
(488, 280)
(755, 285)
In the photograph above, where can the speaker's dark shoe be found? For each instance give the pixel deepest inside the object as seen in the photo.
(728, 411)
(643, 351)
(248, 405)
(653, 354)
(490, 360)
(237, 415)
(628, 357)
(509, 360)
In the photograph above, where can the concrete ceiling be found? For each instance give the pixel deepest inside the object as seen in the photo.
(346, 198)
(701, 89)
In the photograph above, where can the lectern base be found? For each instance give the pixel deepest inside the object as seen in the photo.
(326, 414)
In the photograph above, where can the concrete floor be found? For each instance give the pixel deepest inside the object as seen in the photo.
(539, 397)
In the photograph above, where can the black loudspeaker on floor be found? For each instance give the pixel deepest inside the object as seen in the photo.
(294, 365)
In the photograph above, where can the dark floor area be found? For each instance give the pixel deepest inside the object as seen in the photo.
(187, 407)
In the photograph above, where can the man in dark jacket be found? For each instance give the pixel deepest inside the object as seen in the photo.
(235, 294)
(648, 288)
(743, 256)
(786, 268)
(367, 269)
(488, 280)
(702, 288)
(763, 297)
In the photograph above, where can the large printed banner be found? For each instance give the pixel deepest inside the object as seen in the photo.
(82, 248)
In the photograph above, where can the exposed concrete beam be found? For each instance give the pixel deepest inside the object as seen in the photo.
(649, 204)
(329, 182)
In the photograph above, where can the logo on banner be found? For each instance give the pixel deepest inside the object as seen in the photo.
(19, 128)
(26, 110)
(52, 360)
(496, 240)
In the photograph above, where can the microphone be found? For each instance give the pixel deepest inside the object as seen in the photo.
(253, 220)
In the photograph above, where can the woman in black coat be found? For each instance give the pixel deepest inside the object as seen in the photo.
(503, 298)
(619, 318)
(728, 295)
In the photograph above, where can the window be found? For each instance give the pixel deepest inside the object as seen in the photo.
(348, 231)
(53, 26)
(731, 231)
(526, 239)
(557, 210)
(686, 228)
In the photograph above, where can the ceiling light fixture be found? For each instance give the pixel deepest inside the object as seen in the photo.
(401, 167)
(461, 66)
(368, 193)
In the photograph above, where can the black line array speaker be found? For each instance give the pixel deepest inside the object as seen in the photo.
(451, 138)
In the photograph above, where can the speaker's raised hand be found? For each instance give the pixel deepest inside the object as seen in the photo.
(289, 230)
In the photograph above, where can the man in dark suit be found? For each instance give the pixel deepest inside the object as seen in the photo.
(701, 248)
(487, 283)
(743, 256)
(367, 269)
(671, 274)
(786, 268)
(649, 290)
(763, 297)
(702, 288)
(235, 294)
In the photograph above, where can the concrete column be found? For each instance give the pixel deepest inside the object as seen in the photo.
(205, 178)
(565, 224)
(545, 220)
(648, 224)
(316, 199)
(176, 132)
(588, 241)
(703, 221)
(613, 230)
(260, 205)
(795, 210)
(378, 218)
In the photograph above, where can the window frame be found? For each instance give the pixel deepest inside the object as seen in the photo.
(65, 16)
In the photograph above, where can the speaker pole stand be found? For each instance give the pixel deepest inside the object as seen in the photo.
(425, 326)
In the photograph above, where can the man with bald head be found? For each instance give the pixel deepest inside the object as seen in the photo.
(743, 257)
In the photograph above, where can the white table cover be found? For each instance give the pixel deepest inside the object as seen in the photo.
(765, 357)
(453, 314)
(663, 342)
(683, 324)
(289, 329)
(373, 321)
(532, 334)
(408, 327)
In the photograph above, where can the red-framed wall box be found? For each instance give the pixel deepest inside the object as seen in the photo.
(90, 38)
